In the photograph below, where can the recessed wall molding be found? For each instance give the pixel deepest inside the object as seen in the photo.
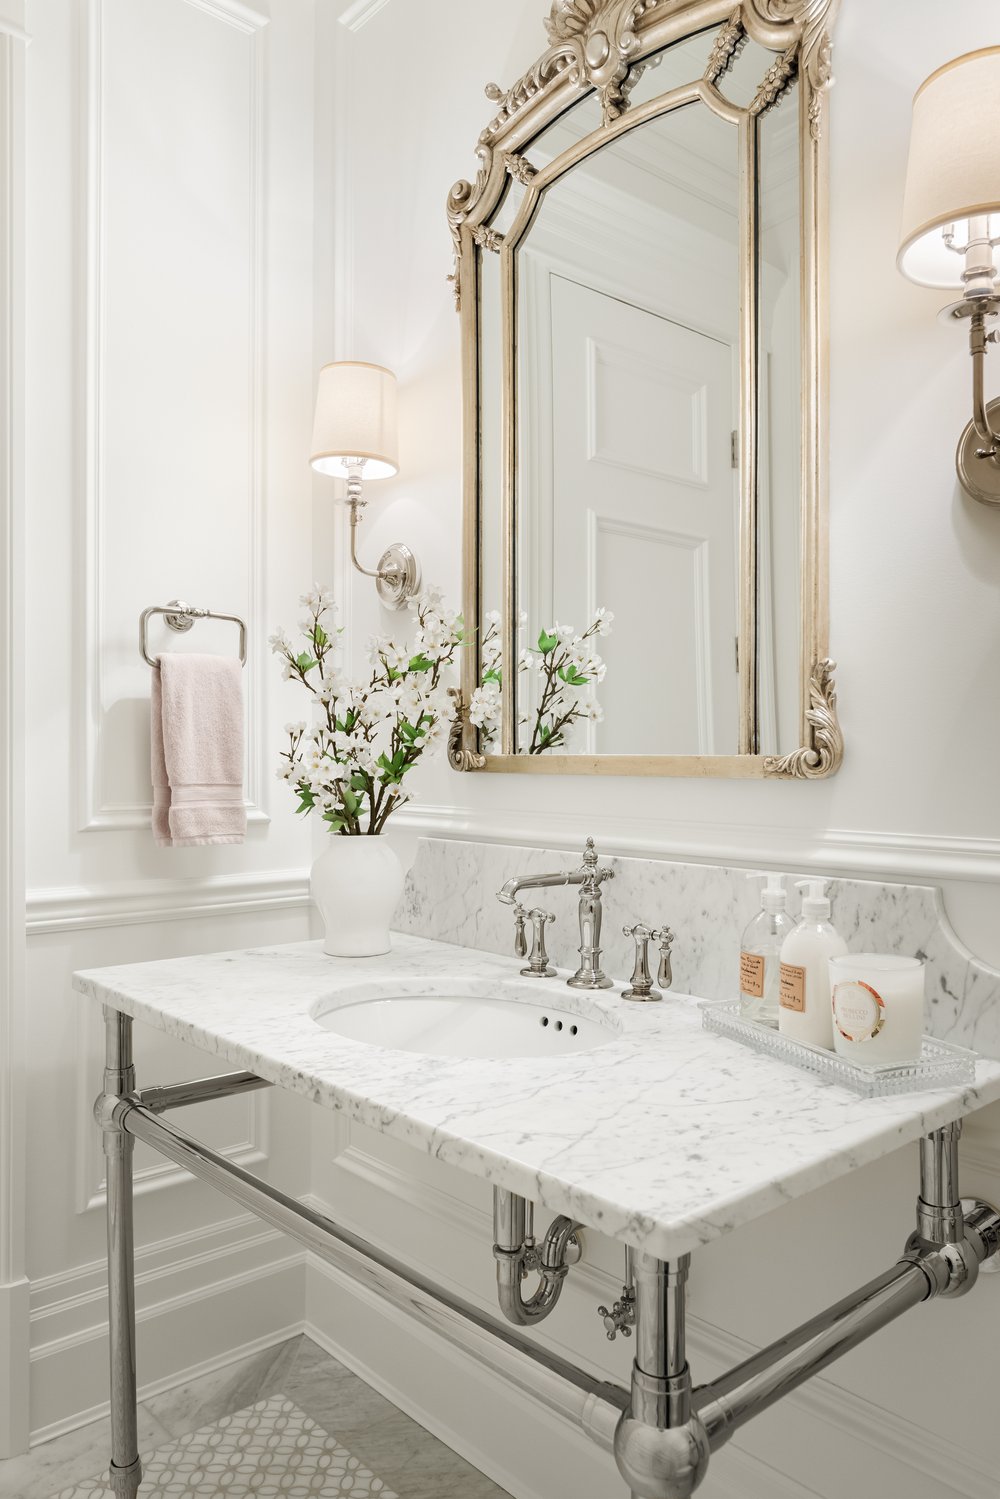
(233, 12)
(360, 13)
(79, 907)
(13, 1067)
(870, 854)
(96, 813)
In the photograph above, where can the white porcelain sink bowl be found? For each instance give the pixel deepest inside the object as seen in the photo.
(449, 1018)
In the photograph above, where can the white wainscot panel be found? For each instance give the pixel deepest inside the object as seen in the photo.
(173, 366)
(236, 1127)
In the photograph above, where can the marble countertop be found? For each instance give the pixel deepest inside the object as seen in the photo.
(666, 1137)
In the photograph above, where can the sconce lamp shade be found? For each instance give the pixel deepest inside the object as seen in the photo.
(953, 171)
(355, 418)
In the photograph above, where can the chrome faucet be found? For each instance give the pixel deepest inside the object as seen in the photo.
(590, 877)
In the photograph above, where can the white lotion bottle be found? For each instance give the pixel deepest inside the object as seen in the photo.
(804, 1006)
(760, 952)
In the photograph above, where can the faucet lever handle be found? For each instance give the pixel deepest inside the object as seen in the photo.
(641, 986)
(538, 964)
(665, 937)
(520, 941)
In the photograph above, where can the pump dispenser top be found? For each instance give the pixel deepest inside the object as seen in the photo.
(816, 903)
(774, 896)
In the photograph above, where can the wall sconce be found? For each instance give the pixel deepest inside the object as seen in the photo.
(951, 229)
(354, 438)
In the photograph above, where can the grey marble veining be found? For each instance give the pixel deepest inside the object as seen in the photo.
(451, 890)
(665, 1137)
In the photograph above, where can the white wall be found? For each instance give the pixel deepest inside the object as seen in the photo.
(915, 617)
(169, 369)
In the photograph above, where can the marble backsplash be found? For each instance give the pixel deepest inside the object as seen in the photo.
(451, 890)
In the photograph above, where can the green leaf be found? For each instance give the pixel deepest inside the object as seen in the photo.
(420, 663)
(320, 637)
(358, 782)
(352, 803)
(547, 643)
(545, 732)
(305, 662)
(335, 822)
(572, 676)
(493, 675)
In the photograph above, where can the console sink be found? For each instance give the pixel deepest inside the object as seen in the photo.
(447, 1018)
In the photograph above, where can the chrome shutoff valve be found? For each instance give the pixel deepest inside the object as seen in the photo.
(621, 1317)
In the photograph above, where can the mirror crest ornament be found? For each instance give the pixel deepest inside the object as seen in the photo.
(602, 48)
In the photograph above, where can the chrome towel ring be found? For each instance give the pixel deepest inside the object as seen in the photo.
(180, 616)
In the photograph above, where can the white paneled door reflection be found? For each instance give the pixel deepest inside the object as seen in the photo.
(645, 518)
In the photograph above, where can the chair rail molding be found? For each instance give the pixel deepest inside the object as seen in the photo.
(14, 1288)
(96, 814)
(79, 907)
(867, 853)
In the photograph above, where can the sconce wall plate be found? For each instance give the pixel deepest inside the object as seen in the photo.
(398, 578)
(978, 472)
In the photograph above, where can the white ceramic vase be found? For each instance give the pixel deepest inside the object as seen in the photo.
(355, 885)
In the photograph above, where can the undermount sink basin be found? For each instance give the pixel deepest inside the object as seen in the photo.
(449, 1018)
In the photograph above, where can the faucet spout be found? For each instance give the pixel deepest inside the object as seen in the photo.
(510, 890)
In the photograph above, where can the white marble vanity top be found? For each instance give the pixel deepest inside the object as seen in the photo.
(666, 1137)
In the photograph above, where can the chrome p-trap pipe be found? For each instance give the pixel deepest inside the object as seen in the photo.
(592, 1404)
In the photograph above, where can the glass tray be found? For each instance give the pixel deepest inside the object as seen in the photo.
(941, 1065)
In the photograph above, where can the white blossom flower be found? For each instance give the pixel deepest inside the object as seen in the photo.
(295, 728)
(318, 599)
(604, 619)
(279, 642)
(485, 705)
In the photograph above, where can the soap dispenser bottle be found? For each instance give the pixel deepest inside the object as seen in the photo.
(804, 1008)
(760, 952)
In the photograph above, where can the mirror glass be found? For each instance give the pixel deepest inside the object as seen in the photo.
(628, 505)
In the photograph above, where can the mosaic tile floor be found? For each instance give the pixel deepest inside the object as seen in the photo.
(381, 1439)
(271, 1450)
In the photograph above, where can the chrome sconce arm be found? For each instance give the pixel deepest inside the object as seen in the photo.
(978, 457)
(397, 574)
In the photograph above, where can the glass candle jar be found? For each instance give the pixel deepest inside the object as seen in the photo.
(878, 1008)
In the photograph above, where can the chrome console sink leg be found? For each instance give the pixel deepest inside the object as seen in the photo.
(119, 1082)
(661, 1446)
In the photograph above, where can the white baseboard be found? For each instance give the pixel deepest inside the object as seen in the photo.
(203, 1300)
(14, 1334)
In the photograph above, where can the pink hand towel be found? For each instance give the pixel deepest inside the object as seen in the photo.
(196, 725)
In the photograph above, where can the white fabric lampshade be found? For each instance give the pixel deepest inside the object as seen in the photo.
(953, 171)
(355, 418)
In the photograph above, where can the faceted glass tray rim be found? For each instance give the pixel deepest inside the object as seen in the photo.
(942, 1064)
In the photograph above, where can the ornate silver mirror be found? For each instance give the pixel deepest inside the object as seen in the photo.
(640, 272)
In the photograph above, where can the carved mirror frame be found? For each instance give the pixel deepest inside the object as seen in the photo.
(602, 47)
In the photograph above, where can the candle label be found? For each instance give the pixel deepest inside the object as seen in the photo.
(792, 987)
(858, 1010)
(752, 974)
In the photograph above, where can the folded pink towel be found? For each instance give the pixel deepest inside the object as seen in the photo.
(197, 750)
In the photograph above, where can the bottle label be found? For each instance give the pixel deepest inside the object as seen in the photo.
(792, 987)
(858, 1010)
(752, 974)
